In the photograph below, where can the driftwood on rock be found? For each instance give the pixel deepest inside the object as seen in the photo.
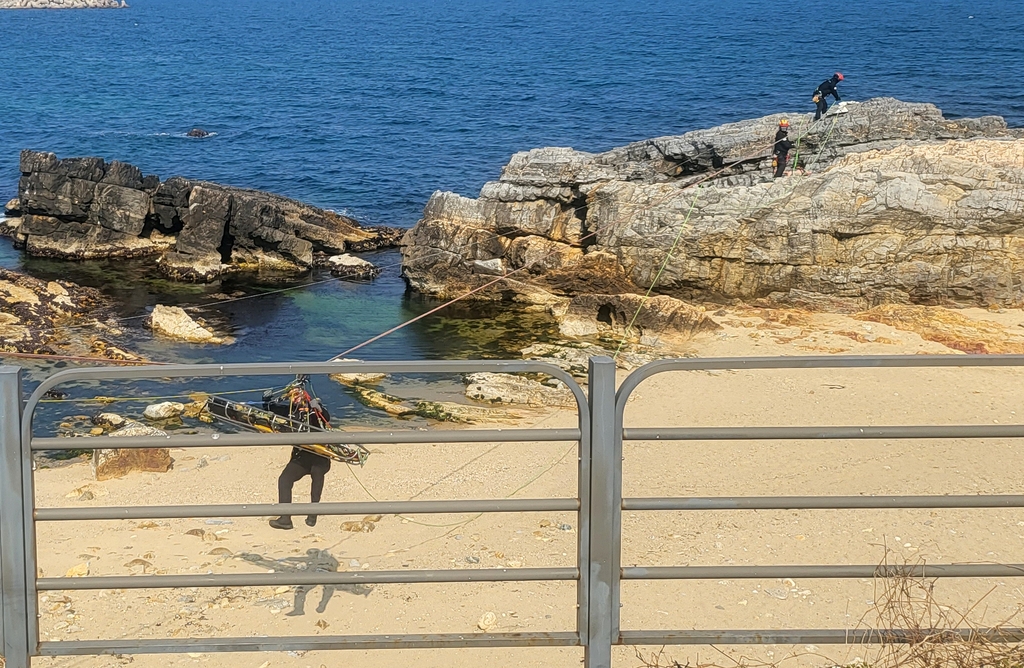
(892, 203)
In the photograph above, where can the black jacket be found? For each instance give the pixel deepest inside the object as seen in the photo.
(782, 144)
(828, 87)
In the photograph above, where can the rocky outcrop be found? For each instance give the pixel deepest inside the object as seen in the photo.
(80, 208)
(631, 317)
(352, 268)
(891, 202)
(507, 388)
(174, 323)
(56, 318)
(62, 4)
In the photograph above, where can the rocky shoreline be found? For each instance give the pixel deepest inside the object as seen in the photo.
(86, 208)
(891, 203)
(57, 318)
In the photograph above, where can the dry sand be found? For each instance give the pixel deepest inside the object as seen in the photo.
(953, 396)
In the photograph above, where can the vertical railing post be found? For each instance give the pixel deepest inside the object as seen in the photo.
(15, 625)
(605, 515)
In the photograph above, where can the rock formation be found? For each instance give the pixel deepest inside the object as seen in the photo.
(507, 388)
(891, 202)
(119, 462)
(80, 208)
(55, 318)
(352, 267)
(174, 323)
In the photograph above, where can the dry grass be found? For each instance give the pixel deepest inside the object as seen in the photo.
(913, 628)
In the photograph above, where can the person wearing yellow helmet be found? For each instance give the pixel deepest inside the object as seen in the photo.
(781, 147)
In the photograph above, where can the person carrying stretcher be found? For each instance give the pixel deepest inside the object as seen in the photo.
(296, 403)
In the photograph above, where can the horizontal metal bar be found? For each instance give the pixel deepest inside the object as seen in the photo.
(808, 362)
(325, 438)
(829, 362)
(822, 572)
(304, 643)
(301, 578)
(821, 433)
(822, 502)
(265, 509)
(814, 636)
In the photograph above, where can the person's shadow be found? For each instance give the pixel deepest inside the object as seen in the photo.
(316, 561)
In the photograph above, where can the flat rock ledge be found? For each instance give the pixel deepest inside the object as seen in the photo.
(85, 208)
(174, 323)
(891, 202)
(352, 268)
(507, 388)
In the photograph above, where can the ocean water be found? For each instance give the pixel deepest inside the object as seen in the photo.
(368, 106)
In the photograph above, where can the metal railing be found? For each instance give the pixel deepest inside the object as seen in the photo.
(19, 515)
(845, 571)
(599, 504)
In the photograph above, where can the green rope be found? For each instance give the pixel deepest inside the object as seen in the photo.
(657, 277)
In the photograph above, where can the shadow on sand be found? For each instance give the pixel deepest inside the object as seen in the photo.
(315, 561)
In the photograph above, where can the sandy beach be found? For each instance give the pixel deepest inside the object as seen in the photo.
(535, 470)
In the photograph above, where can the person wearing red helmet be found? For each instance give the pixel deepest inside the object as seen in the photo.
(781, 147)
(827, 87)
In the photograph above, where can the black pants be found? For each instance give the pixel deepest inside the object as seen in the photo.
(822, 107)
(780, 163)
(301, 465)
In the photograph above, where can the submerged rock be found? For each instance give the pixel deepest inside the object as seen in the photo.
(173, 322)
(352, 267)
(79, 208)
(198, 133)
(894, 203)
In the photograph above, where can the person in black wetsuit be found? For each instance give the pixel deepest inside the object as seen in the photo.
(299, 405)
(781, 147)
(827, 87)
(301, 464)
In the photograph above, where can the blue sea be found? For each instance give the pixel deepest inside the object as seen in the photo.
(368, 106)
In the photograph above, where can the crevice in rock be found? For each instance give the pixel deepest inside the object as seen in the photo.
(579, 207)
(227, 240)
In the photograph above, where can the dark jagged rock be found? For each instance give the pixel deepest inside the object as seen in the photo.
(80, 208)
(198, 133)
(891, 202)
